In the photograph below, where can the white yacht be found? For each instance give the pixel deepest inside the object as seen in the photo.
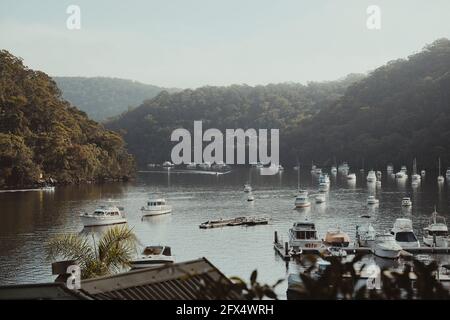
(371, 200)
(404, 234)
(303, 234)
(153, 256)
(156, 207)
(302, 200)
(333, 170)
(167, 164)
(247, 187)
(104, 215)
(402, 174)
(365, 235)
(385, 246)
(436, 233)
(423, 173)
(320, 198)
(371, 176)
(440, 177)
(351, 177)
(390, 168)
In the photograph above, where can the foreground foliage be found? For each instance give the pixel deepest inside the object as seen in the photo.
(110, 254)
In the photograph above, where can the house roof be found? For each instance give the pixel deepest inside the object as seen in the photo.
(191, 280)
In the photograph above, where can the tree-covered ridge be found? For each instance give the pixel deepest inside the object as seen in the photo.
(147, 129)
(102, 98)
(399, 112)
(42, 135)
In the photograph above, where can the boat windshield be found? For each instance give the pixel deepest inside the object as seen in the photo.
(156, 203)
(306, 235)
(153, 250)
(405, 237)
(438, 233)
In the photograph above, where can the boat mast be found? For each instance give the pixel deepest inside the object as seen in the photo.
(439, 166)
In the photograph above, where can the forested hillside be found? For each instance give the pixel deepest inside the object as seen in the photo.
(400, 111)
(147, 128)
(102, 98)
(42, 135)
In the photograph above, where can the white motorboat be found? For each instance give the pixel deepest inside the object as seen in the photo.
(320, 198)
(351, 177)
(390, 168)
(406, 202)
(379, 175)
(440, 177)
(247, 187)
(404, 234)
(415, 177)
(153, 256)
(423, 173)
(156, 207)
(365, 235)
(302, 199)
(371, 200)
(344, 167)
(250, 198)
(337, 238)
(385, 246)
(167, 164)
(402, 174)
(104, 215)
(371, 176)
(303, 234)
(436, 233)
(447, 174)
(334, 170)
(324, 179)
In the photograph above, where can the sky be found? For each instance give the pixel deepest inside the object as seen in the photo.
(193, 43)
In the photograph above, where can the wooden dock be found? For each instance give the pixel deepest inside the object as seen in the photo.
(284, 251)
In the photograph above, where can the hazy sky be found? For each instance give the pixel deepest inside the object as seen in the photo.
(190, 43)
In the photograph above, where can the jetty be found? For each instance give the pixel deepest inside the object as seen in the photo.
(238, 221)
(285, 252)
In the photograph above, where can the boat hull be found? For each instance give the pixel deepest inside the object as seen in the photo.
(149, 213)
(441, 242)
(387, 254)
(89, 221)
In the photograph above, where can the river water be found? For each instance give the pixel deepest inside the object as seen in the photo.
(29, 219)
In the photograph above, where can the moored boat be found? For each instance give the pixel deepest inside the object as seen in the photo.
(404, 234)
(337, 238)
(104, 215)
(153, 256)
(436, 233)
(156, 207)
(385, 246)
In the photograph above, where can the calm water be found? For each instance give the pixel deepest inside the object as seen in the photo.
(30, 219)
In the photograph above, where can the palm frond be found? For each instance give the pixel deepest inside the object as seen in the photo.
(71, 247)
(117, 247)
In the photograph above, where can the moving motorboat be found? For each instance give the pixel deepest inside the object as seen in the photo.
(302, 199)
(371, 200)
(337, 238)
(303, 234)
(371, 176)
(385, 246)
(436, 233)
(156, 207)
(404, 234)
(104, 215)
(153, 256)
(406, 202)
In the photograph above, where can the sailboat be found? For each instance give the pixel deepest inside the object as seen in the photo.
(440, 178)
(415, 177)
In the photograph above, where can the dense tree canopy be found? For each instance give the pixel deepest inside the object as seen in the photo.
(41, 134)
(398, 112)
(102, 98)
(147, 129)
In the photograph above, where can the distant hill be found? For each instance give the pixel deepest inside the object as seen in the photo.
(41, 134)
(400, 111)
(102, 98)
(147, 128)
